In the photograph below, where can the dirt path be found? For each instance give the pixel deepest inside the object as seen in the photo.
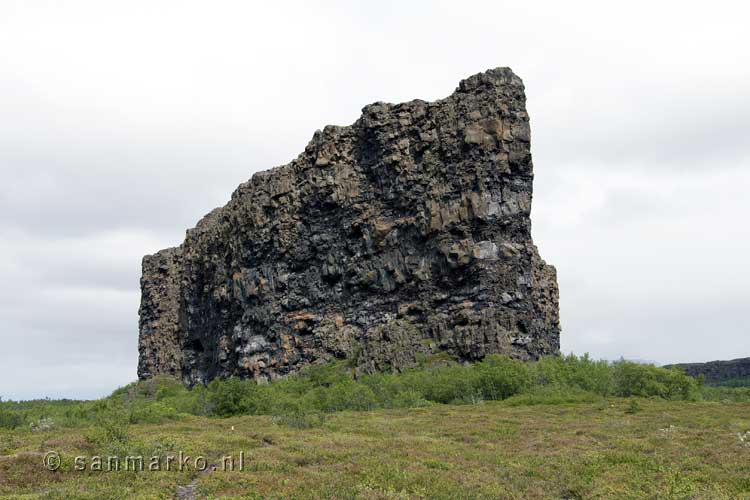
(188, 491)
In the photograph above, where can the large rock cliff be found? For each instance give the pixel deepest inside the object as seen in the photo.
(404, 235)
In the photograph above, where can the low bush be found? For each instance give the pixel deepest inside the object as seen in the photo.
(10, 420)
(332, 387)
(632, 379)
(573, 371)
(633, 407)
(554, 395)
(230, 396)
(734, 382)
(554, 380)
(110, 434)
(726, 394)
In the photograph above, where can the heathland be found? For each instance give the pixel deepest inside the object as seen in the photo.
(562, 427)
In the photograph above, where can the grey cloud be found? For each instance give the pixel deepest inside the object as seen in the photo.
(80, 193)
(651, 266)
(653, 128)
(653, 324)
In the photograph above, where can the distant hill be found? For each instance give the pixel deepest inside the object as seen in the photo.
(717, 372)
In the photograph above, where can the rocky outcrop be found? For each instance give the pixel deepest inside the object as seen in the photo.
(404, 235)
(716, 372)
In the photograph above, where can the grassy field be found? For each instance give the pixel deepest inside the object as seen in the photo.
(560, 428)
(616, 448)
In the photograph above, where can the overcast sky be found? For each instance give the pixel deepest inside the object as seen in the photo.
(123, 122)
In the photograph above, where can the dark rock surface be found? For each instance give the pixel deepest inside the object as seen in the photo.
(717, 371)
(403, 235)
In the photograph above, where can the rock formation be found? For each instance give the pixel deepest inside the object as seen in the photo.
(717, 372)
(404, 235)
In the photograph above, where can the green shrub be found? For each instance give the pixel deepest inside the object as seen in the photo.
(230, 396)
(449, 384)
(10, 420)
(299, 420)
(110, 433)
(333, 387)
(151, 413)
(735, 382)
(633, 407)
(499, 377)
(726, 394)
(348, 395)
(632, 379)
(553, 395)
(572, 371)
(327, 375)
(408, 399)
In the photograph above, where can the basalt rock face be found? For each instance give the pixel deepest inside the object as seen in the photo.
(404, 235)
(716, 372)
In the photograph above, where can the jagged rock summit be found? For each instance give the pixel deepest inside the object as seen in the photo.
(402, 236)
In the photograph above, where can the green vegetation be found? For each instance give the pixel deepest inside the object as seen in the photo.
(725, 394)
(733, 382)
(333, 387)
(566, 427)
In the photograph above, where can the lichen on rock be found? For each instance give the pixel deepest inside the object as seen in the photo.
(405, 234)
